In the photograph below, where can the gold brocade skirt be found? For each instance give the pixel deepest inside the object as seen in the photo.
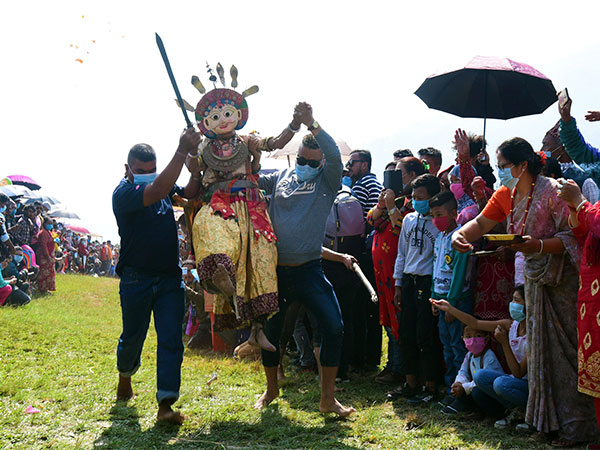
(249, 257)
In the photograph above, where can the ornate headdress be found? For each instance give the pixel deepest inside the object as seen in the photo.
(219, 97)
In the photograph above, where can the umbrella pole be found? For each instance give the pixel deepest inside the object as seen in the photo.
(288, 158)
(485, 95)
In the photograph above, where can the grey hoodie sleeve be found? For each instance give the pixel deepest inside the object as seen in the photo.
(333, 160)
(267, 182)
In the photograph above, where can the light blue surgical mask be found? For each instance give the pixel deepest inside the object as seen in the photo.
(49, 226)
(306, 172)
(2, 209)
(421, 206)
(517, 311)
(18, 258)
(506, 178)
(347, 181)
(139, 178)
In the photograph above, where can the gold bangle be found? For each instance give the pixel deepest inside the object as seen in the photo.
(581, 205)
(541, 246)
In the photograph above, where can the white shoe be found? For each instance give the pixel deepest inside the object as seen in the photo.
(511, 418)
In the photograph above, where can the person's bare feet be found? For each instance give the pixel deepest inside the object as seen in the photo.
(222, 281)
(124, 389)
(336, 407)
(259, 339)
(266, 399)
(167, 415)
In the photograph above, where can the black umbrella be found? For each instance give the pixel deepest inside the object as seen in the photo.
(489, 87)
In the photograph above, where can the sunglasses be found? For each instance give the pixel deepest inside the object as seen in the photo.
(351, 162)
(302, 161)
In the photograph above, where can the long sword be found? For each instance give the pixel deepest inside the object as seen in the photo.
(163, 53)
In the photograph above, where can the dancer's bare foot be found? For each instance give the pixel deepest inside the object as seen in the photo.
(266, 399)
(280, 373)
(259, 339)
(167, 415)
(124, 389)
(336, 407)
(222, 281)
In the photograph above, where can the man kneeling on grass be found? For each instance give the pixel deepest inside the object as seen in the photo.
(149, 268)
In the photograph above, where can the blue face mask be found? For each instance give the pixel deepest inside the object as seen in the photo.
(140, 178)
(421, 206)
(346, 181)
(517, 311)
(2, 209)
(49, 226)
(506, 178)
(18, 258)
(306, 172)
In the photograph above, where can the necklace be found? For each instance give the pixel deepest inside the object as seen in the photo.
(512, 207)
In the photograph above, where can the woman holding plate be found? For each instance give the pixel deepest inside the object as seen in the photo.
(529, 205)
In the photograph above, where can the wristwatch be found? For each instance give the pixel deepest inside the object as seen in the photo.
(313, 126)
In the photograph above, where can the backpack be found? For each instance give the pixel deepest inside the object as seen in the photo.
(345, 223)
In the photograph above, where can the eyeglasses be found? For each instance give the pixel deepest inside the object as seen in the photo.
(505, 166)
(302, 161)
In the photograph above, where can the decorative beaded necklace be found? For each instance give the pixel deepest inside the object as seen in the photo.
(512, 207)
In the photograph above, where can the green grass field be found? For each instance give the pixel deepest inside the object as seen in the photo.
(58, 355)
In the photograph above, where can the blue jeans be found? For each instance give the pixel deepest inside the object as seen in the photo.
(394, 362)
(302, 338)
(509, 391)
(451, 336)
(307, 285)
(140, 296)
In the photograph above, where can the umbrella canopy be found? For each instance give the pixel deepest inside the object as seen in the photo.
(14, 190)
(78, 229)
(59, 211)
(24, 180)
(489, 87)
(42, 197)
(291, 148)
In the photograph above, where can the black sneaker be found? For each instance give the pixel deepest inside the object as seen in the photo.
(402, 391)
(426, 397)
(456, 407)
(447, 400)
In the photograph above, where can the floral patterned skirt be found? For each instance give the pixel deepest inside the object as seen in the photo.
(46, 277)
(588, 330)
(249, 257)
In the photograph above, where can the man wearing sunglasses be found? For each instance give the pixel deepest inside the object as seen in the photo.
(300, 203)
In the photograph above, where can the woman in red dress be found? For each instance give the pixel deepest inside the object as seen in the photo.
(584, 219)
(45, 258)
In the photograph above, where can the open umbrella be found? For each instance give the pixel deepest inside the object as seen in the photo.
(78, 229)
(14, 190)
(59, 211)
(291, 148)
(24, 180)
(42, 197)
(489, 87)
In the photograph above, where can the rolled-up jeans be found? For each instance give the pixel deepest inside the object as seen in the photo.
(307, 285)
(141, 295)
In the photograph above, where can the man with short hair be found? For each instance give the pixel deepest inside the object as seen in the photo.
(433, 157)
(300, 203)
(365, 188)
(367, 336)
(149, 268)
(402, 153)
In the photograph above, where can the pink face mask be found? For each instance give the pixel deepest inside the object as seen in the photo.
(475, 344)
(441, 223)
(457, 190)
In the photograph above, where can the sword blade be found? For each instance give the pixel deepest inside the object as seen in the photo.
(165, 58)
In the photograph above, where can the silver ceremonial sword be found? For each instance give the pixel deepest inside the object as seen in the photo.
(163, 53)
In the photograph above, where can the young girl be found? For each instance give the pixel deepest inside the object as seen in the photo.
(479, 358)
(510, 391)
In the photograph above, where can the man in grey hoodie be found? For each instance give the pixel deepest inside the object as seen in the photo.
(300, 203)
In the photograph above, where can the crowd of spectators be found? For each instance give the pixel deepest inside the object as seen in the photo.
(34, 247)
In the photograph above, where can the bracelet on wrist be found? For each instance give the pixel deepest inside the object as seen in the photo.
(292, 129)
(541, 246)
(392, 211)
(583, 202)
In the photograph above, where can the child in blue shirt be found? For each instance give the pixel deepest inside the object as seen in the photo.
(450, 282)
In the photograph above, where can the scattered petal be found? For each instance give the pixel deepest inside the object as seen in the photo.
(31, 410)
(79, 60)
(93, 41)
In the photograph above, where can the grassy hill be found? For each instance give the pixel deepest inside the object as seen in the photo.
(58, 355)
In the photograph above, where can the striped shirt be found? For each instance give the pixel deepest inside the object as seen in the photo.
(367, 191)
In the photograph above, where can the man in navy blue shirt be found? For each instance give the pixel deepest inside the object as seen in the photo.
(149, 268)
